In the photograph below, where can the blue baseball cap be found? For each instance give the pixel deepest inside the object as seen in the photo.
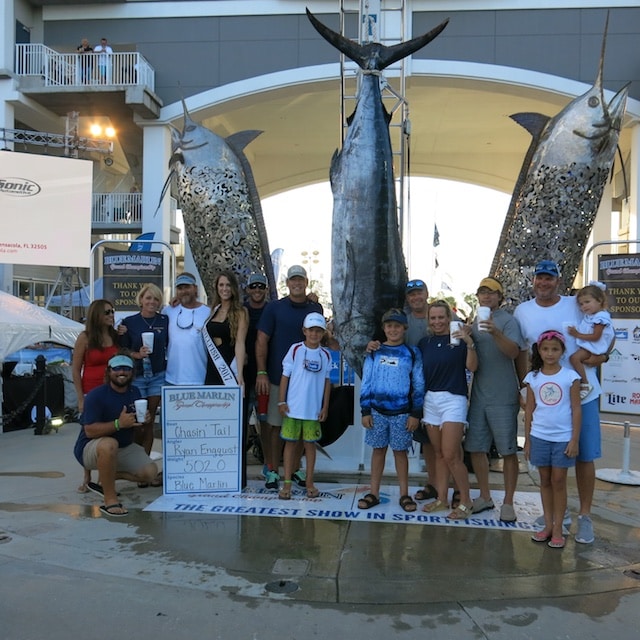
(548, 267)
(120, 361)
(185, 278)
(395, 315)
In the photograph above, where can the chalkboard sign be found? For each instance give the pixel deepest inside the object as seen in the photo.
(201, 433)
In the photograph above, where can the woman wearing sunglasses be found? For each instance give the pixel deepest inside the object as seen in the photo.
(91, 353)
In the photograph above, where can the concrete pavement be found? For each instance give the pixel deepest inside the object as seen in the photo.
(66, 570)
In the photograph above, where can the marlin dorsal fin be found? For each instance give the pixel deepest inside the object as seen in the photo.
(238, 141)
(534, 123)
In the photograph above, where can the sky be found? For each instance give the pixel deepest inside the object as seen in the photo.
(469, 221)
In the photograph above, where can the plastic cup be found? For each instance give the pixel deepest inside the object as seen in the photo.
(141, 409)
(484, 314)
(454, 326)
(147, 340)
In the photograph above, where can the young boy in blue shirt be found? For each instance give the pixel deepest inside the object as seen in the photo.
(391, 400)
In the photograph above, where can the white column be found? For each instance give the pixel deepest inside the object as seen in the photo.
(634, 188)
(155, 161)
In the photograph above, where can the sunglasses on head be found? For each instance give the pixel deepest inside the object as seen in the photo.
(109, 312)
(257, 285)
(120, 368)
(416, 284)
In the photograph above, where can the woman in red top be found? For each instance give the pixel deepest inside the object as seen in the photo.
(91, 353)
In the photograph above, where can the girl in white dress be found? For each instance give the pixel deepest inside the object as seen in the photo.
(595, 332)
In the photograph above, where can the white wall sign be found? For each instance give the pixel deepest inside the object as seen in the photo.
(45, 210)
(201, 433)
(620, 377)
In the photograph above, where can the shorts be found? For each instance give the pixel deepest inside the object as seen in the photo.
(389, 431)
(493, 423)
(590, 442)
(274, 418)
(150, 386)
(442, 406)
(544, 453)
(293, 428)
(131, 458)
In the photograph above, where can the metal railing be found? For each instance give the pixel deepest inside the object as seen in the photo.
(83, 69)
(122, 208)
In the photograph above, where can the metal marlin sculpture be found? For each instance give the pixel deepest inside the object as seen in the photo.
(559, 189)
(367, 264)
(220, 203)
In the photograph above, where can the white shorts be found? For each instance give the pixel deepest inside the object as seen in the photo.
(442, 406)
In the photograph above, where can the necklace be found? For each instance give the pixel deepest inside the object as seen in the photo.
(153, 322)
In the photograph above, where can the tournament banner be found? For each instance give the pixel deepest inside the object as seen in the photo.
(124, 274)
(620, 377)
(201, 439)
(45, 210)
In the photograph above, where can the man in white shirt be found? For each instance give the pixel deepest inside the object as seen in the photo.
(186, 353)
(104, 63)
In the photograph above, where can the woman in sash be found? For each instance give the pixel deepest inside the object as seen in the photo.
(227, 327)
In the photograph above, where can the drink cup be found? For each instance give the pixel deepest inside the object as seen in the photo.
(263, 405)
(484, 314)
(454, 326)
(141, 409)
(147, 340)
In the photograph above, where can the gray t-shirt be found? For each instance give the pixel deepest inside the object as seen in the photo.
(495, 382)
(418, 328)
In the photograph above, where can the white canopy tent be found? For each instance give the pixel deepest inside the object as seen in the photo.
(23, 324)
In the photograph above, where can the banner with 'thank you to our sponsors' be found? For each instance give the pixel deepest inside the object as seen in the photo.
(620, 377)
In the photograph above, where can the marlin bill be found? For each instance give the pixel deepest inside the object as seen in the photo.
(367, 265)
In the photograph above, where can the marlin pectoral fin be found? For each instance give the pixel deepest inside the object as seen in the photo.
(534, 123)
(238, 141)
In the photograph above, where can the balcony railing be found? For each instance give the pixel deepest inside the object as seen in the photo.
(83, 69)
(114, 209)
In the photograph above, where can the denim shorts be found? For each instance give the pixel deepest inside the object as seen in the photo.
(150, 386)
(544, 453)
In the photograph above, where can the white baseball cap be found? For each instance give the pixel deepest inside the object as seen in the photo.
(314, 320)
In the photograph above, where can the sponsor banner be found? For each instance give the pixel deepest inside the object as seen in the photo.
(620, 377)
(340, 502)
(45, 210)
(124, 274)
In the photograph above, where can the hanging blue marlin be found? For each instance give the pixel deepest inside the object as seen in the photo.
(560, 186)
(220, 203)
(368, 271)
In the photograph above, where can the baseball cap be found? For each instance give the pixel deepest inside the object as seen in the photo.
(490, 283)
(120, 361)
(414, 285)
(395, 315)
(185, 278)
(256, 278)
(314, 320)
(296, 270)
(547, 266)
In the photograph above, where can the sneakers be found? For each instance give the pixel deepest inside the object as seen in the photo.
(584, 534)
(300, 477)
(507, 513)
(480, 505)
(566, 523)
(273, 480)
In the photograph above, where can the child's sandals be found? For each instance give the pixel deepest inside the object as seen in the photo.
(285, 491)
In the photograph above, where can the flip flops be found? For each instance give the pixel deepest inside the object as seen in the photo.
(108, 510)
(313, 492)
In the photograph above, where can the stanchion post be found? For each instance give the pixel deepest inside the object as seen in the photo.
(40, 374)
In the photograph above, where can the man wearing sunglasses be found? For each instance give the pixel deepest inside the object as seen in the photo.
(255, 303)
(186, 352)
(105, 441)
